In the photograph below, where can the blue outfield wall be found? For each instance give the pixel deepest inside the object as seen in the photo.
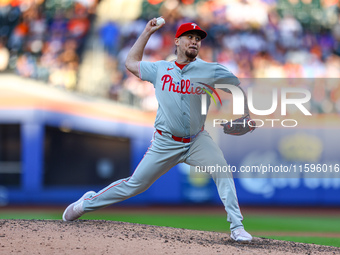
(302, 151)
(275, 147)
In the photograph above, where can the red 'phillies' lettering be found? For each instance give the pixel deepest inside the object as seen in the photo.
(167, 78)
(184, 88)
(172, 86)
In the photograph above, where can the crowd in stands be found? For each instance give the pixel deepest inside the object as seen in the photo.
(45, 39)
(253, 38)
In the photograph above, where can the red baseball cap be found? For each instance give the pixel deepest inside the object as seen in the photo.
(190, 27)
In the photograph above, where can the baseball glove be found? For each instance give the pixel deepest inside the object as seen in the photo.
(239, 126)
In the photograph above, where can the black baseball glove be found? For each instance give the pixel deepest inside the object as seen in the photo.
(239, 126)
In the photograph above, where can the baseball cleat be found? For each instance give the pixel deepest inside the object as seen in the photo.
(240, 235)
(75, 210)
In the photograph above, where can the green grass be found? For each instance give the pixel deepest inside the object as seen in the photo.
(30, 215)
(330, 241)
(253, 223)
(293, 223)
(198, 222)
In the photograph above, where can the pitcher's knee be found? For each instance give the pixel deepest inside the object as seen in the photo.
(135, 188)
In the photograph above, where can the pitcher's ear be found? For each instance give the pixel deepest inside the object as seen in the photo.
(176, 41)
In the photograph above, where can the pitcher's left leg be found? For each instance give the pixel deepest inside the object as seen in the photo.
(205, 152)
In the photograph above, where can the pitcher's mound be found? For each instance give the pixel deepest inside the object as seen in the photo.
(110, 237)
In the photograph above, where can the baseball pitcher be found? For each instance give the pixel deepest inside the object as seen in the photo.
(179, 135)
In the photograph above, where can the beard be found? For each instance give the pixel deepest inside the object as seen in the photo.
(191, 53)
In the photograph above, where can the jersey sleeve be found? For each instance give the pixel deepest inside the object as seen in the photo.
(224, 76)
(148, 71)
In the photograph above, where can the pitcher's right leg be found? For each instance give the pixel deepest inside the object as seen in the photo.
(162, 155)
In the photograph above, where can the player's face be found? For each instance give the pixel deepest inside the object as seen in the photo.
(189, 44)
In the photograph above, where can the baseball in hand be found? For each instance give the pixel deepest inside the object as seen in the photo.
(160, 21)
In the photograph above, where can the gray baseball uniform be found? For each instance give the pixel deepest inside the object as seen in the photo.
(178, 116)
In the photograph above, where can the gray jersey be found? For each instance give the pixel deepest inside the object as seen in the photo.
(179, 111)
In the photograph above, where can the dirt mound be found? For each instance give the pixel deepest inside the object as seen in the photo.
(110, 237)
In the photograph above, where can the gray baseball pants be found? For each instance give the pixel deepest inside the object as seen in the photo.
(163, 154)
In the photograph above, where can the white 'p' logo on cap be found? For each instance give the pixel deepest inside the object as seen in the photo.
(194, 25)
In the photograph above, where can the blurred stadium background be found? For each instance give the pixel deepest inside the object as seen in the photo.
(73, 119)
